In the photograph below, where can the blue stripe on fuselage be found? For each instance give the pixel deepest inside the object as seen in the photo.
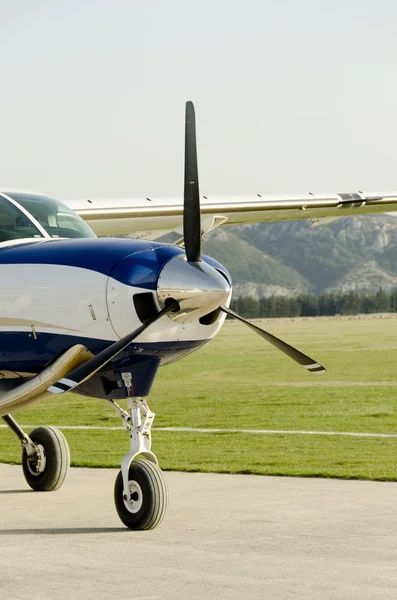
(97, 254)
(103, 255)
(20, 352)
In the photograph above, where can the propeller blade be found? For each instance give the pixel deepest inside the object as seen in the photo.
(191, 196)
(296, 355)
(92, 366)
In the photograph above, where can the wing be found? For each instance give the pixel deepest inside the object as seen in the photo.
(153, 217)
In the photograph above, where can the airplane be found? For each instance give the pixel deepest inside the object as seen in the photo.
(98, 316)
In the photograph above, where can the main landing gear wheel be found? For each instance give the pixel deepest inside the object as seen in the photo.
(148, 496)
(46, 468)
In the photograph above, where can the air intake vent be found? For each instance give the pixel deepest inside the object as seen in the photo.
(145, 306)
(210, 318)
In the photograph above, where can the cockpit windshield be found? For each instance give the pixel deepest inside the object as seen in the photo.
(58, 220)
(14, 224)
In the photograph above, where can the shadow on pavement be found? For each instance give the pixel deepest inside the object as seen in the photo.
(16, 491)
(63, 531)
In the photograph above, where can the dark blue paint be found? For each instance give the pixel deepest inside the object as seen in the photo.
(19, 351)
(143, 269)
(110, 384)
(132, 262)
(96, 254)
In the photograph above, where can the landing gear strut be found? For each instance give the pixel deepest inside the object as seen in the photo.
(140, 491)
(45, 456)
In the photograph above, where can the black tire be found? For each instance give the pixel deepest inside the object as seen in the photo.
(149, 501)
(57, 461)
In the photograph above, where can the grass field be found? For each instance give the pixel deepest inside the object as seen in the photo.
(238, 381)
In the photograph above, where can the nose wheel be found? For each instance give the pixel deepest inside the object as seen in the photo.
(145, 502)
(140, 490)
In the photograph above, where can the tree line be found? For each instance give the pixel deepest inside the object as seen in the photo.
(311, 305)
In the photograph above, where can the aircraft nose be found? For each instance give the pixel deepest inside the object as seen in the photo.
(198, 288)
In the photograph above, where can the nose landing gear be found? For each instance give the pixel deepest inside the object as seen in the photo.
(140, 491)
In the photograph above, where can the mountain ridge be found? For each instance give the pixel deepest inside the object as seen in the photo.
(289, 258)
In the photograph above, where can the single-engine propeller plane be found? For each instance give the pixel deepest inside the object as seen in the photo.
(99, 315)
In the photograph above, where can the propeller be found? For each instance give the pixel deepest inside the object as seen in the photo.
(92, 366)
(192, 238)
(296, 355)
(188, 287)
(191, 196)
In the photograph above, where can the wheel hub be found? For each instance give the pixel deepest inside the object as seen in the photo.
(36, 462)
(135, 500)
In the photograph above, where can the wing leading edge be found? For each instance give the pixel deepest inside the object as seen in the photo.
(153, 217)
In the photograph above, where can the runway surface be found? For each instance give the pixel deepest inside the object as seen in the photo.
(225, 537)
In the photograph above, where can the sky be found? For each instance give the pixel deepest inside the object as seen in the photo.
(290, 96)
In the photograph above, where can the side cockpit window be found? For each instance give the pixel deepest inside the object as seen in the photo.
(14, 224)
(58, 220)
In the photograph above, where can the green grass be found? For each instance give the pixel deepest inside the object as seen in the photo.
(238, 381)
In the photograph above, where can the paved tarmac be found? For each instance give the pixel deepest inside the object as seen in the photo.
(225, 537)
